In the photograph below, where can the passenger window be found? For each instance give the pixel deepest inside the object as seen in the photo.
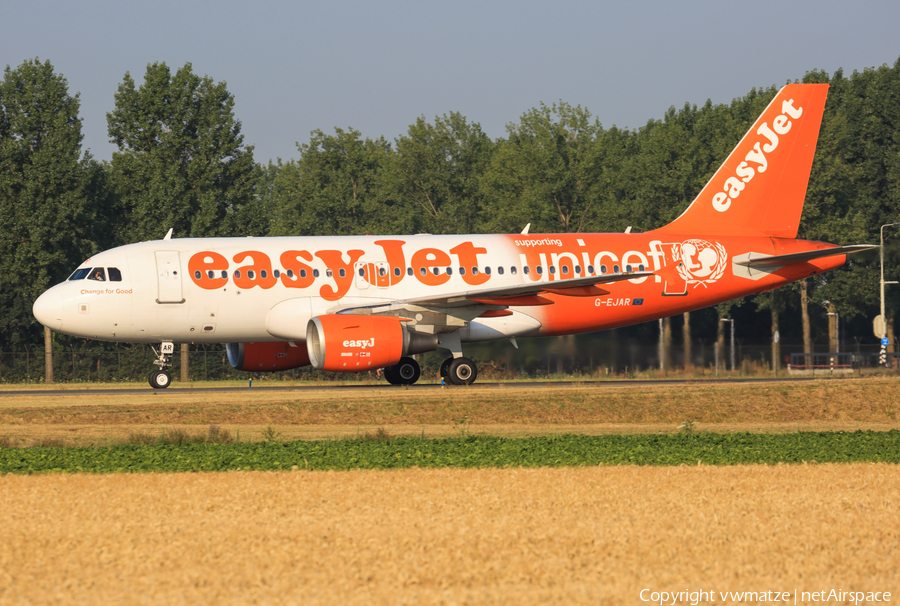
(590, 269)
(512, 269)
(397, 271)
(342, 273)
(210, 274)
(381, 272)
(362, 272)
(115, 275)
(276, 273)
(603, 269)
(98, 274)
(328, 273)
(615, 269)
(315, 273)
(487, 270)
(577, 269)
(251, 274)
(224, 275)
(462, 271)
(409, 271)
(628, 269)
(552, 269)
(500, 270)
(449, 271)
(526, 269)
(565, 269)
(80, 274)
(263, 274)
(237, 274)
(640, 268)
(197, 274)
(540, 270)
(474, 271)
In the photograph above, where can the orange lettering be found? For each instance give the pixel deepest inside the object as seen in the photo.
(393, 253)
(204, 262)
(257, 274)
(468, 258)
(429, 258)
(334, 260)
(302, 273)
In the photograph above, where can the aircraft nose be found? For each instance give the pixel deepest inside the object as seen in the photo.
(48, 309)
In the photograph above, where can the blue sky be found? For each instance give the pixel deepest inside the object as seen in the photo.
(377, 66)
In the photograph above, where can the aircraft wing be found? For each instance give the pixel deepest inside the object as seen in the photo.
(457, 309)
(768, 261)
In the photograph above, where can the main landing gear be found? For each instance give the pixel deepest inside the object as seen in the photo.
(404, 372)
(160, 379)
(459, 371)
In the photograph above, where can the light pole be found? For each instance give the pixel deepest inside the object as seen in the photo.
(836, 359)
(883, 357)
(732, 339)
(837, 329)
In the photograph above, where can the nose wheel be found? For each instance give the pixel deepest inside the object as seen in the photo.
(160, 379)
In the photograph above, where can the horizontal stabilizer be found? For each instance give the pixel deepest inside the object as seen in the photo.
(809, 255)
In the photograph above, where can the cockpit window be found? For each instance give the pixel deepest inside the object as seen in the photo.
(80, 274)
(98, 274)
(115, 275)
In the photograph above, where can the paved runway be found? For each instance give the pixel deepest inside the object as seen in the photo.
(385, 386)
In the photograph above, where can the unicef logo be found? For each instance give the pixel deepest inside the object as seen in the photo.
(700, 262)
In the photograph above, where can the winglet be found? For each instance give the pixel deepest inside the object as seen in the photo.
(525, 231)
(760, 188)
(169, 234)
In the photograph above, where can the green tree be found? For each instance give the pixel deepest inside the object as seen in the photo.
(182, 161)
(337, 187)
(49, 193)
(547, 173)
(853, 187)
(436, 170)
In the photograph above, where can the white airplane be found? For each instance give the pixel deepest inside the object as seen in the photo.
(356, 303)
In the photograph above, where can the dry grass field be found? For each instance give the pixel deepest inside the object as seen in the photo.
(823, 405)
(515, 536)
(489, 536)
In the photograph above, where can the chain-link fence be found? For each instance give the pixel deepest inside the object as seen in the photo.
(593, 355)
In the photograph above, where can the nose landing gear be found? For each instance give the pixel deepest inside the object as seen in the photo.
(160, 379)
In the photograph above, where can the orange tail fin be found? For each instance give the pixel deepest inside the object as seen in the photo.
(760, 188)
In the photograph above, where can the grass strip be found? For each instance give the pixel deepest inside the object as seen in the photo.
(464, 452)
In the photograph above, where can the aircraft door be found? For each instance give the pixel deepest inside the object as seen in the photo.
(168, 274)
(360, 270)
(384, 274)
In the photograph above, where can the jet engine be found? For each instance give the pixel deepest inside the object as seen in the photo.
(263, 357)
(350, 343)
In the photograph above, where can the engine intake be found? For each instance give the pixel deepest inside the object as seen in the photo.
(348, 343)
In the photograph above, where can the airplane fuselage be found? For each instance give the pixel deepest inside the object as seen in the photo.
(223, 290)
